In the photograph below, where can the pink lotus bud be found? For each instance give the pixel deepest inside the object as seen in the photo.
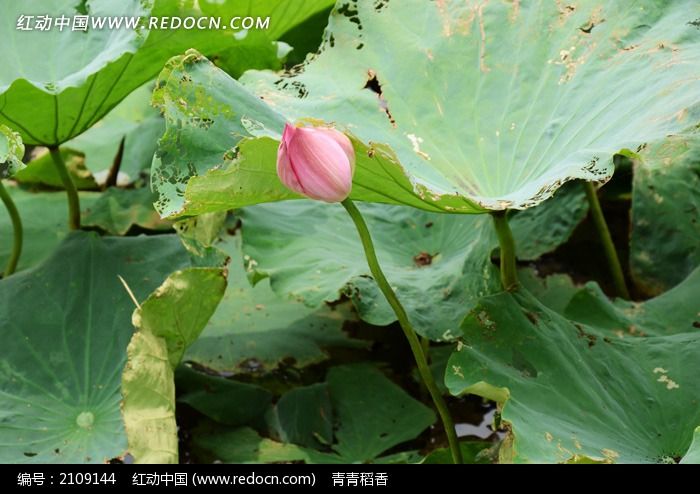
(316, 162)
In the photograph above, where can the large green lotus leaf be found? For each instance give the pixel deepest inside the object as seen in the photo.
(254, 330)
(55, 84)
(576, 392)
(438, 264)
(11, 152)
(43, 223)
(477, 107)
(170, 319)
(665, 243)
(61, 365)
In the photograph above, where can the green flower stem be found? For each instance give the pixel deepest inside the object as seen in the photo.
(425, 345)
(607, 241)
(17, 231)
(408, 330)
(509, 274)
(71, 191)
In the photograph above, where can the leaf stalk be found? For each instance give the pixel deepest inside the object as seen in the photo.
(409, 332)
(71, 191)
(509, 274)
(16, 229)
(606, 240)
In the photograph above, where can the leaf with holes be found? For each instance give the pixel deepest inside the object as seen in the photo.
(521, 98)
(11, 152)
(61, 366)
(573, 392)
